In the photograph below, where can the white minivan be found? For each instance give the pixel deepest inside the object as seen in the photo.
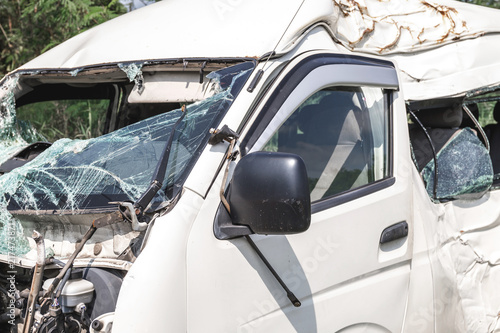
(264, 166)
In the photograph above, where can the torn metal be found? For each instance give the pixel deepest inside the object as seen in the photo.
(405, 26)
(442, 48)
(132, 70)
(134, 73)
(465, 260)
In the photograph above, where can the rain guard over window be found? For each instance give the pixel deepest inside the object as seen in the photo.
(81, 175)
(464, 168)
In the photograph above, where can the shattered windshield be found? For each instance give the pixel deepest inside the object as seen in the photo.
(88, 174)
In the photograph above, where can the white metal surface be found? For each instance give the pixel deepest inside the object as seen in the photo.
(156, 284)
(172, 29)
(335, 268)
(463, 237)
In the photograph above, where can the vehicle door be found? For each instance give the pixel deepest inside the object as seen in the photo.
(351, 268)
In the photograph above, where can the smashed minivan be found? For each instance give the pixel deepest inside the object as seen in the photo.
(331, 168)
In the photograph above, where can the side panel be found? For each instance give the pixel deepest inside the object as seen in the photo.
(153, 295)
(345, 279)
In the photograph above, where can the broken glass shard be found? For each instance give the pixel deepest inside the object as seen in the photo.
(464, 168)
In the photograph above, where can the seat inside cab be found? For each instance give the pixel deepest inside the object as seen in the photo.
(452, 160)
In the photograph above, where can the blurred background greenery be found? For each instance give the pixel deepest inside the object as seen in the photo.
(74, 119)
(31, 27)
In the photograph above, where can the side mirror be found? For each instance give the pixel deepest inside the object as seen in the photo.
(269, 194)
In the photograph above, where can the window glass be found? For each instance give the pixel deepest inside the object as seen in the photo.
(465, 169)
(341, 133)
(119, 166)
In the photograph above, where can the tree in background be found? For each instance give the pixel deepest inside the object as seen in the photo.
(31, 27)
(487, 3)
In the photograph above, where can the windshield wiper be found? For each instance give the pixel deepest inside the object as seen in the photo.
(161, 169)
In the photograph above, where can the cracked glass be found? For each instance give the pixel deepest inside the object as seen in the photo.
(14, 134)
(464, 168)
(79, 175)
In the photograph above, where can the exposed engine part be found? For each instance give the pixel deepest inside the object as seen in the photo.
(69, 312)
(107, 284)
(58, 323)
(37, 280)
(67, 302)
(66, 311)
(102, 324)
(13, 302)
(108, 219)
(75, 292)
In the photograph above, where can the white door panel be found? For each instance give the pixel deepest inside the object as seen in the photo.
(344, 277)
(348, 275)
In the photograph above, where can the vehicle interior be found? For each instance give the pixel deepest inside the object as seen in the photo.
(53, 107)
(457, 142)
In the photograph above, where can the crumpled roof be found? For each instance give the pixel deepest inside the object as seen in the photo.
(385, 27)
(177, 29)
(443, 47)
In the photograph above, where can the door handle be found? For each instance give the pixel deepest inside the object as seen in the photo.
(393, 232)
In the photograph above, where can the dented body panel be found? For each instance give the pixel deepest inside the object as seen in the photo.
(422, 37)
(402, 220)
(159, 32)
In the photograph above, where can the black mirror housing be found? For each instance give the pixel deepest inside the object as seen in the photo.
(270, 194)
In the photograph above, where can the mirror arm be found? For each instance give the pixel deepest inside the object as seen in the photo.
(295, 301)
(229, 157)
(217, 136)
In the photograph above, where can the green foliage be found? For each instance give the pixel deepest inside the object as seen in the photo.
(486, 113)
(75, 119)
(487, 3)
(31, 27)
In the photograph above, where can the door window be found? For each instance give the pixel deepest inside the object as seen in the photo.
(341, 133)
